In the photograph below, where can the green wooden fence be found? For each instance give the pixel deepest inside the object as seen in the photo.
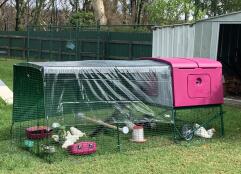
(75, 44)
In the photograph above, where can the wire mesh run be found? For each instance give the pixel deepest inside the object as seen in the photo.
(100, 107)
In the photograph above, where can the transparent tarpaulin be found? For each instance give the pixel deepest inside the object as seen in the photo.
(133, 89)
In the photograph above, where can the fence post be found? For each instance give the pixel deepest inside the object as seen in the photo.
(130, 50)
(107, 45)
(28, 42)
(9, 46)
(41, 47)
(98, 40)
(60, 50)
(24, 47)
(51, 42)
(76, 36)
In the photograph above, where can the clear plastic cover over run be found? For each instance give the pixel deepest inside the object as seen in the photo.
(138, 86)
(129, 90)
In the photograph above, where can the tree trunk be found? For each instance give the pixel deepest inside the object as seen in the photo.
(99, 10)
(115, 6)
(87, 5)
(38, 10)
(140, 11)
(196, 10)
(75, 5)
(185, 11)
(54, 13)
(124, 11)
(17, 21)
(214, 7)
(133, 11)
(3, 3)
(145, 14)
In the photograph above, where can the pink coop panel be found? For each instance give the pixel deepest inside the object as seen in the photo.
(196, 81)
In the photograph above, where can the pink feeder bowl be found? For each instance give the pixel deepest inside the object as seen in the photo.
(38, 132)
(83, 148)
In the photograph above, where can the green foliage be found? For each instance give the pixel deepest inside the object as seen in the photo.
(166, 12)
(218, 7)
(82, 18)
(232, 5)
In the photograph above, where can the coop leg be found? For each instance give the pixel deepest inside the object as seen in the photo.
(221, 120)
(174, 125)
(38, 144)
(118, 138)
(49, 156)
(11, 132)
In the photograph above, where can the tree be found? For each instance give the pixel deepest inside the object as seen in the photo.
(216, 7)
(17, 15)
(87, 5)
(137, 8)
(22, 14)
(39, 5)
(75, 4)
(167, 12)
(82, 18)
(99, 11)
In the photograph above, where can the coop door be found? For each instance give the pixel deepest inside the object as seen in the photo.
(199, 85)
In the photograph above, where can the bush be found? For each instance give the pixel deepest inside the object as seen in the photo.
(82, 18)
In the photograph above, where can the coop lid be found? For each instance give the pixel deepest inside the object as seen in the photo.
(177, 62)
(98, 65)
(206, 63)
(180, 62)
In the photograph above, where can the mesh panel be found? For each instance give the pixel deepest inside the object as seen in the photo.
(28, 94)
(196, 118)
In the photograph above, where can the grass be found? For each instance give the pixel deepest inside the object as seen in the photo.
(6, 72)
(221, 155)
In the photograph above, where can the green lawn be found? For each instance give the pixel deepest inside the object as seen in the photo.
(222, 155)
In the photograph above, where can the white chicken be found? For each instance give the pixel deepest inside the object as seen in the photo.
(72, 136)
(75, 131)
(202, 132)
(55, 138)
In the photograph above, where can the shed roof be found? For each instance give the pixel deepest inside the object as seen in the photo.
(235, 16)
(232, 17)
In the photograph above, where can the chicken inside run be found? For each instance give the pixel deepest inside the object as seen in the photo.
(87, 107)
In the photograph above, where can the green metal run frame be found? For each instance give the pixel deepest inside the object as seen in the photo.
(32, 108)
(177, 134)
